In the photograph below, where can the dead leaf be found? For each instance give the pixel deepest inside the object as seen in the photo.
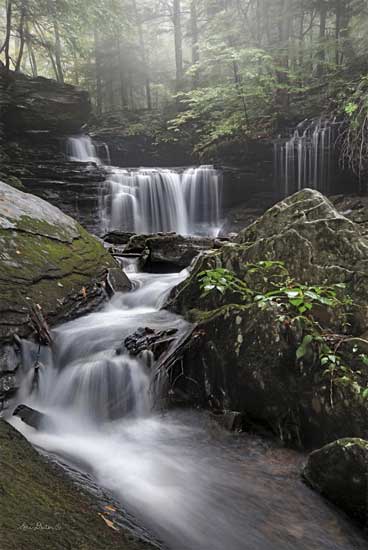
(110, 508)
(84, 292)
(108, 522)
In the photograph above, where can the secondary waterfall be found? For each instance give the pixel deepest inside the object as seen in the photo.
(81, 149)
(162, 200)
(307, 158)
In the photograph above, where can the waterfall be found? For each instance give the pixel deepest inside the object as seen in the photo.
(81, 149)
(306, 159)
(162, 200)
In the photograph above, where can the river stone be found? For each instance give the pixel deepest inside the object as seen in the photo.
(339, 471)
(117, 281)
(47, 261)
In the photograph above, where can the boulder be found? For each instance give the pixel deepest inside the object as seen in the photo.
(147, 339)
(48, 263)
(244, 358)
(169, 249)
(339, 471)
(117, 281)
(317, 244)
(33, 418)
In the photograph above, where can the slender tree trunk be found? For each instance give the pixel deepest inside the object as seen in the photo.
(337, 32)
(322, 37)
(6, 45)
(194, 39)
(58, 61)
(123, 97)
(178, 37)
(21, 36)
(98, 72)
(31, 55)
(143, 52)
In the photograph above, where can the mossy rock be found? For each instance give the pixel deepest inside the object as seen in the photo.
(40, 508)
(47, 261)
(339, 471)
(317, 244)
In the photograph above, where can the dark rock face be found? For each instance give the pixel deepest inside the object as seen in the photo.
(339, 471)
(41, 104)
(244, 358)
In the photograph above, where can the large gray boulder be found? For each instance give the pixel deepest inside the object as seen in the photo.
(339, 471)
(244, 358)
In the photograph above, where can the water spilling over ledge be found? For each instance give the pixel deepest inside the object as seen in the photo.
(307, 158)
(152, 200)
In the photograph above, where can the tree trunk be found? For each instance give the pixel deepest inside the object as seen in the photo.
(6, 45)
(32, 57)
(21, 36)
(98, 73)
(194, 39)
(178, 37)
(142, 47)
(322, 37)
(58, 61)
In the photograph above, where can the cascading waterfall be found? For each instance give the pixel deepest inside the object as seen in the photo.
(162, 200)
(153, 200)
(81, 149)
(307, 158)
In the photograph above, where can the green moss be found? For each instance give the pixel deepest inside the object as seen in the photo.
(41, 509)
(13, 181)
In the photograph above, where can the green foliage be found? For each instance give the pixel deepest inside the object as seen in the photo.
(268, 283)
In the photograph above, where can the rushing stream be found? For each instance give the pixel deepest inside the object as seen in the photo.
(192, 485)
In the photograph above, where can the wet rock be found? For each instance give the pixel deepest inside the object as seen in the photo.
(339, 471)
(147, 339)
(8, 386)
(47, 261)
(119, 238)
(30, 416)
(9, 359)
(117, 281)
(170, 249)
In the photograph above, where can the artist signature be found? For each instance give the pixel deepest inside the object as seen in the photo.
(39, 526)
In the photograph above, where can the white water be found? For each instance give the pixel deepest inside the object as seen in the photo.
(153, 200)
(163, 200)
(306, 159)
(81, 149)
(194, 489)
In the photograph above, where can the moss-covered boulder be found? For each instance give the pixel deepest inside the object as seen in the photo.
(42, 509)
(339, 471)
(245, 358)
(47, 262)
(317, 243)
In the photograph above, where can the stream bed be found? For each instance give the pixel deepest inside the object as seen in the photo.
(188, 482)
